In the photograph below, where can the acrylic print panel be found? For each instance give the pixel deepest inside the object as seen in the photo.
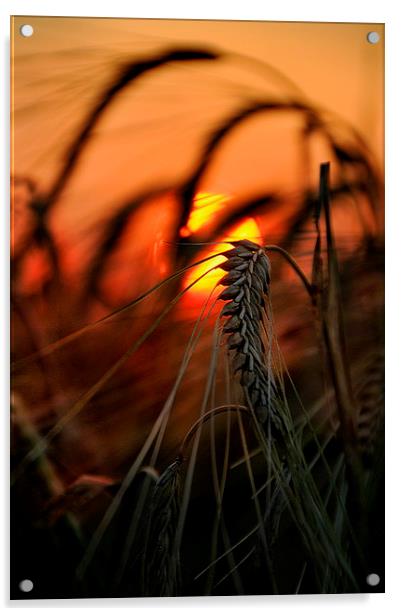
(197, 308)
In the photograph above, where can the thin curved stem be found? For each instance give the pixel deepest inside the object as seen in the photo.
(297, 269)
(224, 408)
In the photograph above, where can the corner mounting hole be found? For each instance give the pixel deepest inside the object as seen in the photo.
(373, 579)
(26, 30)
(26, 585)
(373, 37)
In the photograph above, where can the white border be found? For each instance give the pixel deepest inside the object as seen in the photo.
(285, 10)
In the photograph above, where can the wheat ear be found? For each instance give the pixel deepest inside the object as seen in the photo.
(247, 286)
(160, 560)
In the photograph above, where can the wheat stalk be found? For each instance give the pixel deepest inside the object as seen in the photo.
(247, 285)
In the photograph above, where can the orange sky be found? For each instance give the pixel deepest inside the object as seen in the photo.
(61, 68)
(332, 63)
(152, 135)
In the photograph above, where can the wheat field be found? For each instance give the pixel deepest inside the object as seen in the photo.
(197, 329)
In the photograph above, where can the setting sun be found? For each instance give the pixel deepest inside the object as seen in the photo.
(205, 206)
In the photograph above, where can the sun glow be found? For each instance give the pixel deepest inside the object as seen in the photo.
(205, 206)
(208, 204)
